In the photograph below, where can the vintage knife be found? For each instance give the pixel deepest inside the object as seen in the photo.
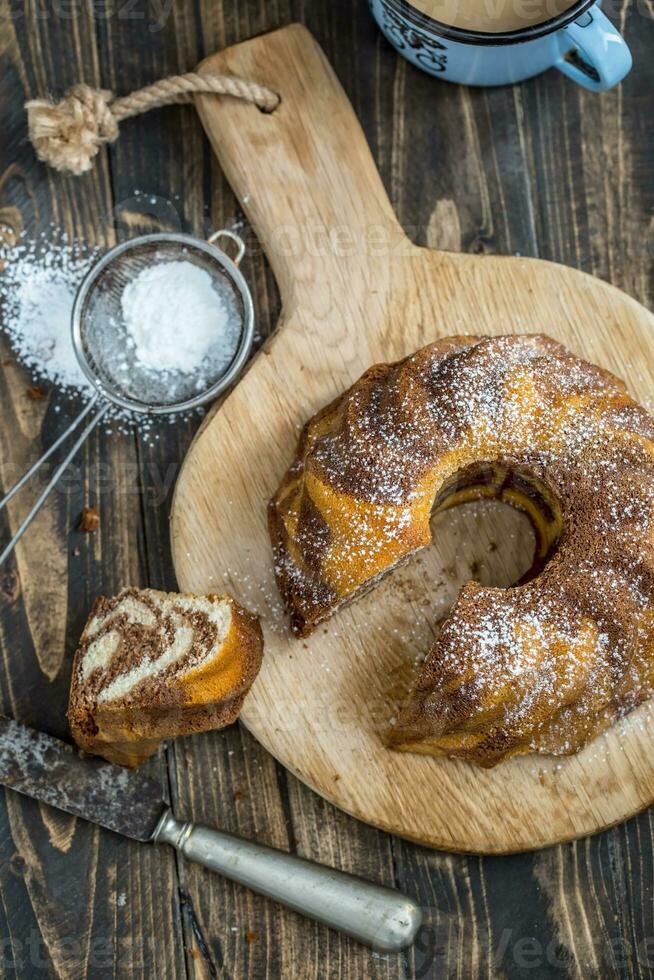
(129, 803)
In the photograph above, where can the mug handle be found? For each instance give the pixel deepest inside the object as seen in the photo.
(593, 53)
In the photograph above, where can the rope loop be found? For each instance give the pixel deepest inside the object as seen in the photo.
(68, 134)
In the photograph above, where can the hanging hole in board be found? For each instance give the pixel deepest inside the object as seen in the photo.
(269, 112)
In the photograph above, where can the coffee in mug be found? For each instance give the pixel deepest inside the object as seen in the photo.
(493, 16)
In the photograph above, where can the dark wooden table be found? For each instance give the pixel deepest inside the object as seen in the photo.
(543, 169)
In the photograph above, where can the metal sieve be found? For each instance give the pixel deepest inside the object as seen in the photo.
(100, 342)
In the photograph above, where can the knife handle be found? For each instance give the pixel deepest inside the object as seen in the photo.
(380, 917)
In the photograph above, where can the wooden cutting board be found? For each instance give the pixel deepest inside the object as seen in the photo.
(356, 291)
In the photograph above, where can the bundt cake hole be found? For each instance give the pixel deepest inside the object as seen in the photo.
(512, 484)
(483, 540)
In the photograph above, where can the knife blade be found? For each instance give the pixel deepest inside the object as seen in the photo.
(53, 772)
(131, 804)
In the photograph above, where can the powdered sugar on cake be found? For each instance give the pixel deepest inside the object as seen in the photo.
(522, 419)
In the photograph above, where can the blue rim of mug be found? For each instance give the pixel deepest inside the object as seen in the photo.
(424, 22)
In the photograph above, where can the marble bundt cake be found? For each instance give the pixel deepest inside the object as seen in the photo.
(543, 666)
(153, 665)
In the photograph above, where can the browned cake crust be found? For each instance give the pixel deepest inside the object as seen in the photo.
(194, 694)
(540, 667)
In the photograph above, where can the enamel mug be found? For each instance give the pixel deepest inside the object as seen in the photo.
(581, 42)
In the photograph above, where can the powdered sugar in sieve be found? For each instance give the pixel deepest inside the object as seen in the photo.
(163, 323)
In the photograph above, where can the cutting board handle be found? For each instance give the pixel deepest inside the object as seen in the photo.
(303, 173)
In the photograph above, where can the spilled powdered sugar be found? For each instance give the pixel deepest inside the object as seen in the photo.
(38, 284)
(37, 290)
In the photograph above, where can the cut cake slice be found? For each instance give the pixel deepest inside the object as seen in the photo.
(154, 665)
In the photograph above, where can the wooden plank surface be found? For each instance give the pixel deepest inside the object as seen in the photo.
(541, 170)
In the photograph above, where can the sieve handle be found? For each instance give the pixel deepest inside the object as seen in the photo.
(56, 476)
(238, 241)
(46, 455)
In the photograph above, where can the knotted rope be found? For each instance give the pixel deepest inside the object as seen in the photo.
(68, 134)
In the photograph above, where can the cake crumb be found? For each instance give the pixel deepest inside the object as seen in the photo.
(90, 520)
